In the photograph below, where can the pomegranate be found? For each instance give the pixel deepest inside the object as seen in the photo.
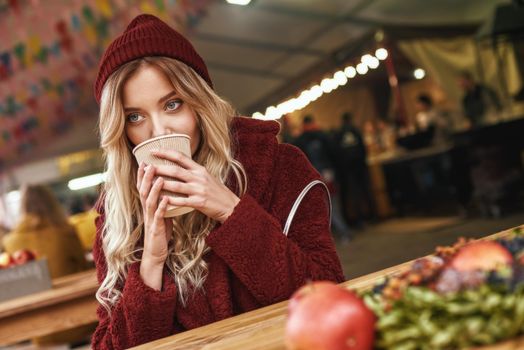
(324, 316)
(481, 255)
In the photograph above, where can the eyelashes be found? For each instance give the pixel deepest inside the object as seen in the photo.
(170, 106)
(134, 118)
(173, 105)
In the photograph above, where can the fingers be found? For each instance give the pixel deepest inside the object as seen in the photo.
(161, 210)
(150, 189)
(151, 204)
(173, 171)
(144, 187)
(178, 187)
(179, 158)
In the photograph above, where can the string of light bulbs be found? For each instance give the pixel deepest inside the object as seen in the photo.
(327, 85)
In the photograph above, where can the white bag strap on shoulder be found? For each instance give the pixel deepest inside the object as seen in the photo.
(299, 199)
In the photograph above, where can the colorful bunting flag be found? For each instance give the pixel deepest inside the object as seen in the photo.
(48, 60)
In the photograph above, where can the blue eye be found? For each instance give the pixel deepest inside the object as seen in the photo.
(173, 105)
(134, 118)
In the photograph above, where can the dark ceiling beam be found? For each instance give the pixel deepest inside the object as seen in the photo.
(352, 18)
(245, 70)
(255, 44)
(318, 33)
(310, 38)
(411, 32)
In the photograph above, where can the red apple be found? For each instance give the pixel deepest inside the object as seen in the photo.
(22, 256)
(481, 255)
(324, 316)
(6, 260)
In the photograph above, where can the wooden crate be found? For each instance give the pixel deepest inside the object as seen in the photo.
(20, 280)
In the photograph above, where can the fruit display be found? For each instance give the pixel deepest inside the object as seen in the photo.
(19, 257)
(466, 295)
(21, 273)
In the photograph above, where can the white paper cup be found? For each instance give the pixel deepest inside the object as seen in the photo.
(177, 142)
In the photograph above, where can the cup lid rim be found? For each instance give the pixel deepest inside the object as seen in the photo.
(159, 138)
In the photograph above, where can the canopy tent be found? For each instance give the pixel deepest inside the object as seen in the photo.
(256, 54)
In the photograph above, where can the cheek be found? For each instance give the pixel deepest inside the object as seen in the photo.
(134, 136)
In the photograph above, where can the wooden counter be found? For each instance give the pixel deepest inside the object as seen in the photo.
(69, 303)
(264, 328)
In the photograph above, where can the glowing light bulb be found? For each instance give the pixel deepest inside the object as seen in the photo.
(362, 68)
(419, 73)
(350, 72)
(340, 78)
(381, 53)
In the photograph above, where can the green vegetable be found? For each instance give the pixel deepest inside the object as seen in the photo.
(424, 319)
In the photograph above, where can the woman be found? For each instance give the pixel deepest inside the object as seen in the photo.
(162, 276)
(43, 228)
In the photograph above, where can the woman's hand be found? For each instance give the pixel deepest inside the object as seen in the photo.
(157, 230)
(204, 192)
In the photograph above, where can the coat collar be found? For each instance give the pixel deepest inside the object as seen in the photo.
(256, 147)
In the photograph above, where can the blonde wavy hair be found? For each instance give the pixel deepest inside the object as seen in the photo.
(124, 224)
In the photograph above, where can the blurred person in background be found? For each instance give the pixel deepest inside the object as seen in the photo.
(315, 143)
(352, 171)
(479, 102)
(43, 229)
(430, 117)
(318, 148)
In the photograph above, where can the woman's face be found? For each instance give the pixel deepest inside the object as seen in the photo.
(153, 108)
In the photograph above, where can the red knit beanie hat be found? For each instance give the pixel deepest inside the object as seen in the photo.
(147, 35)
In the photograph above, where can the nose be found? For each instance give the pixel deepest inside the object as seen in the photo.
(160, 126)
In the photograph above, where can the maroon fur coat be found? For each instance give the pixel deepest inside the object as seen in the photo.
(251, 263)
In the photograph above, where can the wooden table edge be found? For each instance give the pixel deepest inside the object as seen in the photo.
(64, 289)
(358, 283)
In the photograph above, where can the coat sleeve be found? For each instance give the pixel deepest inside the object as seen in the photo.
(251, 241)
(142, 314)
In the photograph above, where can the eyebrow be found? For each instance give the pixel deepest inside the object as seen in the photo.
(161, 100)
